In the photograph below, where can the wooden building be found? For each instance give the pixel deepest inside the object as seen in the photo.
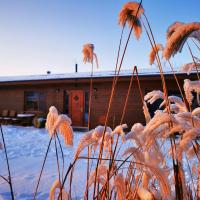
(70, 93)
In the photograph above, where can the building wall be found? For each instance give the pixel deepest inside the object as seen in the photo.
(12, 97)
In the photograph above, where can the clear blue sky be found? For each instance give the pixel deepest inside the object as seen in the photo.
(41, 35)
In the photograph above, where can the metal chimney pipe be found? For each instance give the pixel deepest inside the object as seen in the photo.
(76, 67)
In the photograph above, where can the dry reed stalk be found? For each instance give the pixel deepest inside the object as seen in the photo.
(63, 160)
(173, 145)
(58, 165)
(112, 92)
(8, 166)
(39, 178)
(177, 82)
(190, 172)
(197, 71)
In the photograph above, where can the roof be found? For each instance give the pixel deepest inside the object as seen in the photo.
(79, 75)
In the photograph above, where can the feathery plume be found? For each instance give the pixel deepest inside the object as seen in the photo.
(51, 119)
(196, 111)
(119, 129)
(85, 141)
(187, 68)
(188, 136)
(56, 185)
(144, 194)
(88, 54)
(178, 38)
(101, 175)
(190, 86)
(62, 125)
(196, 35)
(99, 130)
(154, 51)
(180, 105)
(154, 95)
(172, 28)
(120, 186)
(128, 14)
(161, 176)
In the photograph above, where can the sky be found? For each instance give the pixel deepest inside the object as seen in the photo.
(37, 36)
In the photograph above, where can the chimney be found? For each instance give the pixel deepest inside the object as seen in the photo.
(76, 67)
(48, 72)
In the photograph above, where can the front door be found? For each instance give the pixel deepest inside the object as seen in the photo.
(77, 107)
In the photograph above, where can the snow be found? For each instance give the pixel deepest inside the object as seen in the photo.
(26, 148)
(80, 75)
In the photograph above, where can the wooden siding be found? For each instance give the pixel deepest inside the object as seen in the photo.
(12, 96)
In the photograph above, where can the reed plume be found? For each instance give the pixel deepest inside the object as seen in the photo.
(88, 54)
(56, 184)
(154, 51)
(187, 68)
(130, 14)
(178, 38)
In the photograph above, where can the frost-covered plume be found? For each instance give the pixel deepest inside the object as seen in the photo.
(144, 194)
(176, 41)
(154, 51)
(159, 119)
(120, 186)
(196, 112)
(154, 95)
(135, 134)
(119, 130)
(88, 54)
(162, 176)
(179, 104)
(57, 185)
(190, 86)
(63, 125)
(99, 130)
(187, 120)
(101, 175)
(186, 141)
(187, 68)
(51, 119)
(131, 13)
(85, 141)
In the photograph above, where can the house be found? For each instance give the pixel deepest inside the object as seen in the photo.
(70, 94)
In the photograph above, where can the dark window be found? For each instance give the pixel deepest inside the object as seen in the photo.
(34, 101)
(66, 102)
(155, 106)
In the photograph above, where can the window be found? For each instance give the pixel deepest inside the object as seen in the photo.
(66, 102)
(34, 101)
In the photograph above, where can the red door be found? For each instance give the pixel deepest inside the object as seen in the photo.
(77, 105)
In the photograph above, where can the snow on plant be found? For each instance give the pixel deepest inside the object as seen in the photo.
(59, 123)
(190, 86)
(187, 68)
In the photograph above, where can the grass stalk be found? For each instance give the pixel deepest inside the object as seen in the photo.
(8, 166)
(41, 171)
(111, 98)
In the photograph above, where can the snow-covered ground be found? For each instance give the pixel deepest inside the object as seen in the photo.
(26, 148)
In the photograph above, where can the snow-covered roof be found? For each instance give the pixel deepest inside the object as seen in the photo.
(79, 75)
